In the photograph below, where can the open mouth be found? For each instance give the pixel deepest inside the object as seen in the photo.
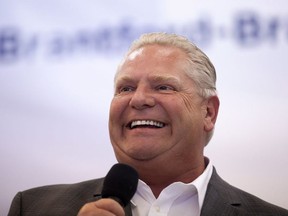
(145, 124)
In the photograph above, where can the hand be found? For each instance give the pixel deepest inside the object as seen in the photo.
(103, 207)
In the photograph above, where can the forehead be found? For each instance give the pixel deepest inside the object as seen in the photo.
(154, 59)
(158, 51)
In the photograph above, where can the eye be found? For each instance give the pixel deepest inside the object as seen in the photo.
(126, 89)
(165, 88)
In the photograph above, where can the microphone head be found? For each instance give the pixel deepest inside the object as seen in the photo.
(120, 183)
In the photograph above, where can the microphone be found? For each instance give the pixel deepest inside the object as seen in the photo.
(120, 183)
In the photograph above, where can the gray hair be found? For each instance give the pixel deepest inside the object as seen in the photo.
(200, 69)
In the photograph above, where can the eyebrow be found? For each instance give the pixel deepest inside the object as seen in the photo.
(124, 79)
(165, 78)
(154, 78)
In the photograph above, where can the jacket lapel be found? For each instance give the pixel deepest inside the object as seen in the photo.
(220, 198)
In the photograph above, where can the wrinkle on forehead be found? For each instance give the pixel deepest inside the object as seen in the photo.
(170, 53)
(156, 78)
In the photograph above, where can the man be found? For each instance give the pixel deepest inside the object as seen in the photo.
(161, 117)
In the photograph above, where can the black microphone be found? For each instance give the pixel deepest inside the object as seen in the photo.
(120, 183)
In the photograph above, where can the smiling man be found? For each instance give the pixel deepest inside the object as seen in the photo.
(159, 121)
(162, 116)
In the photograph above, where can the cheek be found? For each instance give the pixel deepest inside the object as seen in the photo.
(114, 120)
(114, 116)
(116, 108)
(113, 108)
(189, 103)
(192, 112)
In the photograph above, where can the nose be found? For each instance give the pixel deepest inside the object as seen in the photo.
(142, 98)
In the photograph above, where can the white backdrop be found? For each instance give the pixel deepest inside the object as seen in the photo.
(57, 61)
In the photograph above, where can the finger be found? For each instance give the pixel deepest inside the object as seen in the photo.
(103, 207)
(111, 206)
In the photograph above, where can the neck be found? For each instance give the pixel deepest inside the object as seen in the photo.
(158, 180)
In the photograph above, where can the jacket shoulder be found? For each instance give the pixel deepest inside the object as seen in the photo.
(84, 187)
(230, 200)
(61, 199)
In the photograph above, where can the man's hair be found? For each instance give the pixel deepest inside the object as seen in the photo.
(200, 69)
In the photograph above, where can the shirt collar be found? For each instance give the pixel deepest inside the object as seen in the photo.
(200, 183)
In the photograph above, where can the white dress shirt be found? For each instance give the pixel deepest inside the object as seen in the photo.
(178, 199)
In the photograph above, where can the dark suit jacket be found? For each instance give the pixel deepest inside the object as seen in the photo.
(66, 200)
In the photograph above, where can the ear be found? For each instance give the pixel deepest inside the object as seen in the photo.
(211, 112)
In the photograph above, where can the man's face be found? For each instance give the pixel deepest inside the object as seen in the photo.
(156, 113)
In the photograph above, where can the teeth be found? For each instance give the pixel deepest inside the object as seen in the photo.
(146, 122)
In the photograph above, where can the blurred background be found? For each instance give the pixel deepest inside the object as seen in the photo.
(58, 59)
